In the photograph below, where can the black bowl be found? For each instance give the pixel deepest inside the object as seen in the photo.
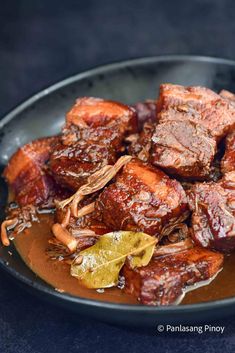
(43, 115)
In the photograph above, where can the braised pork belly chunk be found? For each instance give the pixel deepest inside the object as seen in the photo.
(183, 148)
(94, 120)
(71, 165)
(191, 122)
(92, 137)
(71, 134)
(198, 104)
(143, 198)
(95, 112)
(164, 279)
(28, 175)
(173, 96)
(213, 217)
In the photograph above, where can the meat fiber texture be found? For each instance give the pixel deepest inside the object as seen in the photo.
(191, 122)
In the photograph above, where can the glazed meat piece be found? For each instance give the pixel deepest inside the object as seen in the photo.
(141, 145)
(72, 165)
(172, 96)
(95, 119)
(228, 161)
(142, 198)
(96, 112)
(27, 173)
(146, 113)
(31, 157)
(163, 280)
(92, 138)
(213, 217)
(110, 136)
(197, 104)
(219, 118)
(183, 148)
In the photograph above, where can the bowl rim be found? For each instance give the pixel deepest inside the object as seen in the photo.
(46, 288)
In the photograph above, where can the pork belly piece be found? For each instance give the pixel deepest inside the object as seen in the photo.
(183, 148)
(171, 95)
(31, 156)
(163, 280)
(27, 173)
(105, 135)
(228, 161)
(92, 138)
(213, 217)
(197, 104)
(142, 198)
(72, 165)
(146, 113)
(219, 118)
(96, 112)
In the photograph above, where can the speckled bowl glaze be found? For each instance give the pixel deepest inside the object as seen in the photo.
(43, 115)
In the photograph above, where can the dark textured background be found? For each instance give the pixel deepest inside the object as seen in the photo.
(42, 42)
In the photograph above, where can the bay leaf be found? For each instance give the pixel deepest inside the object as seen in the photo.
(103, 261)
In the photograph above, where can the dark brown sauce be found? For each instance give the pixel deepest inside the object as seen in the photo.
(32, 245)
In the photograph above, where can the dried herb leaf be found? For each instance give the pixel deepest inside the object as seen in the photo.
(103, 261)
